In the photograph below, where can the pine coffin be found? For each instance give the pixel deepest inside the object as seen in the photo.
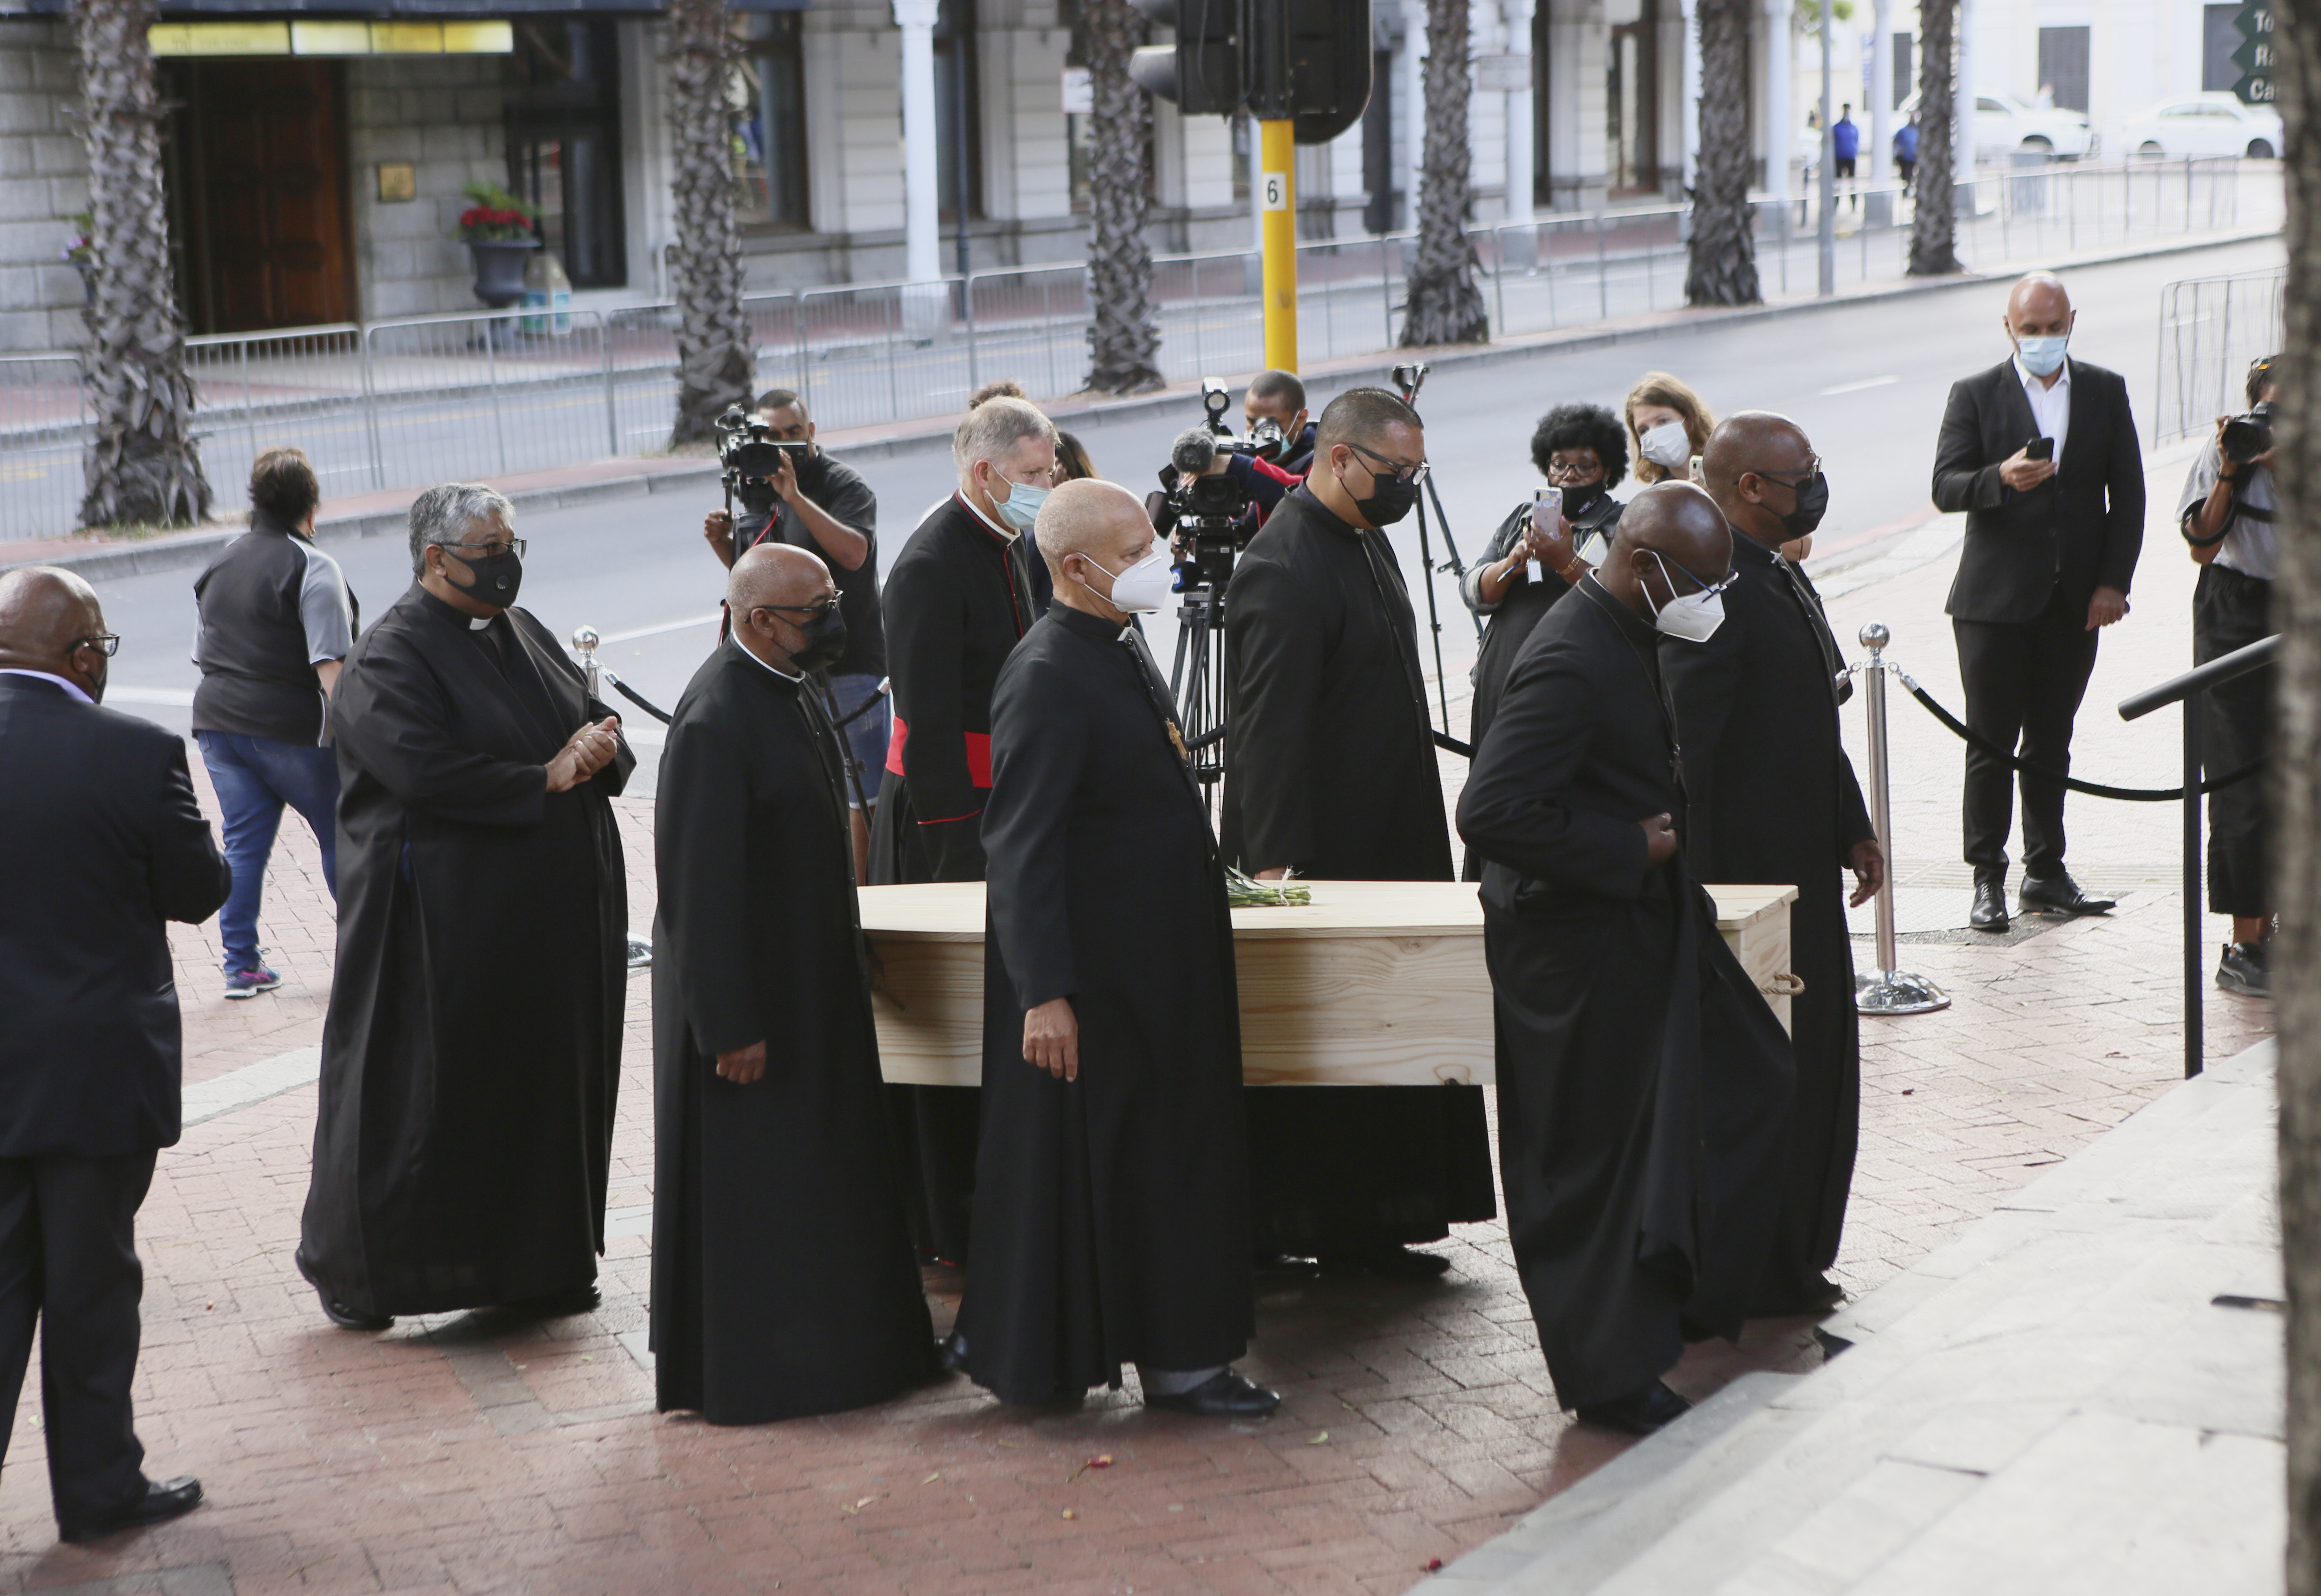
(1373, 984)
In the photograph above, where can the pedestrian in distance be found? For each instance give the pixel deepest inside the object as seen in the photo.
(470, 1053)
(784, 1283)
(1529, 564)
(100, 843)
(1669, 423)
(1846, 148)
(2226, 515)
(1112, 1192)
(276, 622)
(1770, 796)
(961, 596)
(1072, 462)
(2041, 453)
(1330, 772)
(1906, 154)
(1644, 1085)
(822, 505)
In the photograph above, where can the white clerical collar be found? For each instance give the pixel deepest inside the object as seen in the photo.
(66, 683)
(475, 625)
(785, 674)
(1008, 534)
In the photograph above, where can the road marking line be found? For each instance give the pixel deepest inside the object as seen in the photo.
(1872, 382)
(654, 631)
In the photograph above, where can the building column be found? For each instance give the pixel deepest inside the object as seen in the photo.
(1780, 128)
(1688, 109)
(1880, 91)
(1517, 16)
(1963, 106)
(1410, 61)
(1577, 158)
(922, 204)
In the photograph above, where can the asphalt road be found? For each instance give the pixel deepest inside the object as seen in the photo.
(1868, 383)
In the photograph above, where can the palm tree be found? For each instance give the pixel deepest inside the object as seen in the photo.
(1721, 260)
(715, 354)
(1123, 340)
(1445, 302)
(1934, 234)
(142, 469)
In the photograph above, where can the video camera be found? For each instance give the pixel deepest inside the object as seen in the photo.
(1209, 512)
(2248, 436)
(750, 456)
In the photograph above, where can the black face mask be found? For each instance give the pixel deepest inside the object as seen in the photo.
(1813, 503)
(497, 577)
(825, 641)
(1391, 499)
(1579, 498)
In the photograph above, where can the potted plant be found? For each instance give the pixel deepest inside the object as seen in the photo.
(499, 231)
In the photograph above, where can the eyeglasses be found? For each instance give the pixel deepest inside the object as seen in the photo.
(1574, 470)
(1412, 475)
(810, 610)
(107, 643)
(1700, 583)
(1803, 474)
(491, 550)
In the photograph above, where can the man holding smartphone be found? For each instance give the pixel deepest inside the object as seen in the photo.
(2041, 453)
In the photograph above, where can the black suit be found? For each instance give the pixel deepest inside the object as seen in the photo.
(2019, 604)
(100, 842)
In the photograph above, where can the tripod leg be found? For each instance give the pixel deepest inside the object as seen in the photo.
(1434, 617)
(1451, 548)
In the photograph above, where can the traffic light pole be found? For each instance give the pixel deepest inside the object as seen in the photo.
(1277, 197)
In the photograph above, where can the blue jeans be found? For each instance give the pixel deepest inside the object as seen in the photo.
(255, 776)
(866, 735)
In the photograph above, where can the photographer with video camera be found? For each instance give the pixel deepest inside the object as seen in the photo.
(789, 491)
(2226, 515)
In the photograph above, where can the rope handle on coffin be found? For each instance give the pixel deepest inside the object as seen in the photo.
(1782, 984)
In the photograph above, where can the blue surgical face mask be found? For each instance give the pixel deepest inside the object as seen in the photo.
(2042, 357)
(1021, 507)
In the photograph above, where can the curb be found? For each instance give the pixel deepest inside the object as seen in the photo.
(177, 553)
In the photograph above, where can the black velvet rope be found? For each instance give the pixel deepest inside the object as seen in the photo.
(2092, 789)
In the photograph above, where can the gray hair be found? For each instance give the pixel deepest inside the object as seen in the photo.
(444, 513)
(994, 428)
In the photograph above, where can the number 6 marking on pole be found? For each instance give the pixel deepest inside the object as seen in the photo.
(1276, 191)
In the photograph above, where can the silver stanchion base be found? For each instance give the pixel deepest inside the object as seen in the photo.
(1898, 992)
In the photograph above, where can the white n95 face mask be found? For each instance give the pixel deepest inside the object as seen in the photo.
(1694, 617)
(1144, 586)
(1667, 445)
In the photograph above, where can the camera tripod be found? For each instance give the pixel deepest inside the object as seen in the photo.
(1196, 680)
(1407, 379)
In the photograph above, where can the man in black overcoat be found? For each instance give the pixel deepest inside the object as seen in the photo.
(1772, 798)
(2041, 453)
(464, 1134)
(782, 1279)
(100, 842)
(1643, 1084)
(1330, 772)
(1112, 1194)
(961, 597)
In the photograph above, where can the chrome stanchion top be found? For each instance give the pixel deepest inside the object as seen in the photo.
(1886, 990)
(584, 643)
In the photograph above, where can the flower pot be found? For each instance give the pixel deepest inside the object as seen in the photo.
(500, 268)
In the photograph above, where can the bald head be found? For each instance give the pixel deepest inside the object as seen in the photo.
(1754, 464)
(2039, 306)
(1091, 532)
(44, 615)
(766, 592)
(1683, 528)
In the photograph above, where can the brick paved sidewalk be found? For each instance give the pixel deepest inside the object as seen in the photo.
(468, 1452)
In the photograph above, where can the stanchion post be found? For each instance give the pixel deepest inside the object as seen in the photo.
(2195, 950)
(1886, 990)
(584, 644)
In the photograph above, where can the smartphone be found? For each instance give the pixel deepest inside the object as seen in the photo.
(2040, 448)
(1546, 511)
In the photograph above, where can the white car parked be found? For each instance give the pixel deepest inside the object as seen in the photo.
(2003, 125)
(2210, 123)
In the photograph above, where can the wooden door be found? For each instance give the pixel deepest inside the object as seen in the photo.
(267, 210)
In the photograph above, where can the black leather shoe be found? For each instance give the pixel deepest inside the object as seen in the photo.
(1639, 1413)
(951, 1352)
(2246, 969)
(163, 1500)
(585, 1299)
(2058, 894)
(1989, 913)
(350, 1319)
(1390, 1263)
(1223, 1395)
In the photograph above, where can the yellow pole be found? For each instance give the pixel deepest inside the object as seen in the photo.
(1277, 192)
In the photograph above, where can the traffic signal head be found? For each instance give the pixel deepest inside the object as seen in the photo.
(1203, 71)
(1310, 64)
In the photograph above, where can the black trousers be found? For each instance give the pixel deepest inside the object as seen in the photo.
(69, 1260)
(2230, 611)
(2024, 683)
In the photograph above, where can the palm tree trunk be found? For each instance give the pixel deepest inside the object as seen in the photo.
(1934, 235)
(1721, 260)
(1445, 304)
(2296, 778)
(1124, 339)
(142, 469)
(715, 354)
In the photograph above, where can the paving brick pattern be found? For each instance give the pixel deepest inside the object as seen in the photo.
(469, 1453)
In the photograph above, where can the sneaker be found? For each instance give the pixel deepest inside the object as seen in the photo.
(2245, 969)
(249, 983)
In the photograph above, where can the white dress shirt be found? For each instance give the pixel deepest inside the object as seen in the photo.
(71, 686)
(2049, 407)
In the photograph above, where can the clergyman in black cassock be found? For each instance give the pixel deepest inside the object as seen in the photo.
(1643, 1085)
(960, 596)
(472, 1047)
(782, 1279)
(1773, 799)
(1329, 770)
(1112, 1195)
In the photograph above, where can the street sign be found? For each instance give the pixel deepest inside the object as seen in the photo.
(2256, 56)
